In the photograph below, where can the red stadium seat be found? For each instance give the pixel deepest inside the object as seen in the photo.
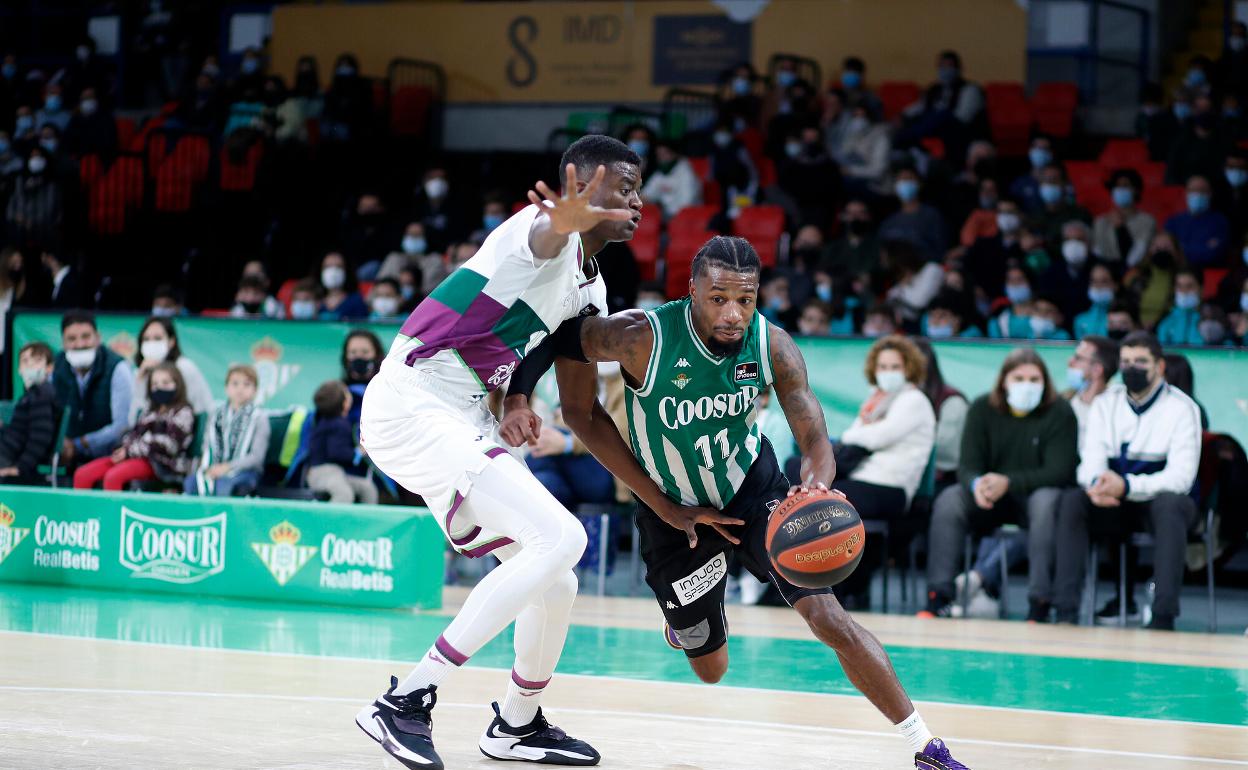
(896, 95)
(1010, 124)
(410, 107)
(365, 287)
(1054, 105)
(766, 175)
(240, 177)
(754, 142)
(1152, 174)
(691, 219)
(679, 264)
(1164, 202)
(1212, 278)
(90, 169)
(1124, 153)
(215, 312)
(285, 292)
(645, 244)
(125, 132)
(1094, 197)
(762, 226)
(1004, 94)
(1085, 173)
(710, 188)
(934, 146)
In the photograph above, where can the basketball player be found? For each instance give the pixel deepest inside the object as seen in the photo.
(693, 369)
(425, 424)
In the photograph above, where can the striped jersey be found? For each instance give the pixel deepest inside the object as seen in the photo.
(472, 331)
(693, 420)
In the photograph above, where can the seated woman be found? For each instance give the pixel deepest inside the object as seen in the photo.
(158, 344)
(339, 298)
(1102, 289)
(950, 406)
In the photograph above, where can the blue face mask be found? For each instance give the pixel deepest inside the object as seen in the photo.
(4, 146)
(9, 71)
(1123, 197)
(1017, 293)
(792, 149)
(1100, 296)
(740, 86)
(1042, 327)
(1197, 202)
(1196, 78)
(24, 124)
(1186, 300)
(492, 221)
(775, 304)
(938, 332)
(413, 244)
(1039, 157)
(786, 78)
(250, 66)
(1075, 379)
(851, 79)
(407, 291)
(722, 139)
(640, 146)
(907, 190)
(1182, 110)
(48, 144)
(824, 292)
(1236, 177)
(53, 102)
(1051, 194)
(947, 74)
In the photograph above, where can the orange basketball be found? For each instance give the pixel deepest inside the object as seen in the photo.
(815, 540)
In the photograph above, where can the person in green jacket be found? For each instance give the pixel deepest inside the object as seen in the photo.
(1019, 450)
(1181, 326)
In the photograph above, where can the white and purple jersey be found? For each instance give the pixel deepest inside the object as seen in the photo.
(473, 330)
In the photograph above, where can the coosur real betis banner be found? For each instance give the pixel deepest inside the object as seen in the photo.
(358, 555)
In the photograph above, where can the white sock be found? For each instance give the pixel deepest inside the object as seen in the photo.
(915, 731)
(521, 703)
(437, 665)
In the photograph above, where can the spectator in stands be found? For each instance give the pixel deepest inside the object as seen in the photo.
(836, 115)
(1056, 205)
(986, 259)
(158, 445)
(776, 303)
(61, 167)
(367, 235)
(1229, 288)
(24, 129)
(650, 296)
(1026, 189)
(1018, 451)
(66, 290)
(816, 319)
(950, 407)
(795, 110)
(36, 208)
(949, 315)
(864, 151)
(204, 108)
(348, 111)
(1199, 78)
(1138, 467)
(672, 184)
(1197, 150)
(167, 302)
(493, 214)
(1102, 288)
(1152, 281)
(1121, 235)
(92, 128)
(236, 440)
(248, 112)
(304, 103)
(883, 453)
(305, 300)
(250, 76)
(1179, 375)
(411, 251)
(732, 168)
(952, 110)
(13, 285)
(339, 298)
(640, 139)
(1238, 319)
(1214, 327)
(854, 84)
(738, 98)
(1088, 372)
(435, 212)
(1066, 278)
(1158, 126)
(10, 83)
(1231, 195)
(253, 301)
(1013, 320)
(86, 71)
(857, 251)
(362, 354)
(11, 164)
(915, 221)
(1231, 73)
(981, 222)
(158, 344)
(915, 281)
(332, 452)
(1046, 320)
(808, 179)
(1121, 320)
(1181, 326)
(385, 301)
(880, 321)
(28, 438)
(95, 384)
(410, 288)
(54, 109)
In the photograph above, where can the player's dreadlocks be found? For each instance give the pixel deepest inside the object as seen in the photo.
(730, 252)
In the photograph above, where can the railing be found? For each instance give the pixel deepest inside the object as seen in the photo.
(1105, 46)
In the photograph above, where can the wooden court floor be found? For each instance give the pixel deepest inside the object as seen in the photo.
(105, 680)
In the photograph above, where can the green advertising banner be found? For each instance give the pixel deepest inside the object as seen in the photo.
(294, 357)
(357, 555)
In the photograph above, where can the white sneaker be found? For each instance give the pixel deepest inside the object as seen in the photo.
(970, 583)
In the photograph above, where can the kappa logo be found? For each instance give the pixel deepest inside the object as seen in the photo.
(683, 364)
(671, 606)
(501, 374)
(682, 381)
(283, 556)
(10, 536)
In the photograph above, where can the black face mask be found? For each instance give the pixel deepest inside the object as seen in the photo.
(858, 227)
(361, 368)
(1136, 379)
(163, 396)
(1164, 260)
(251, 307)
(1117, 335)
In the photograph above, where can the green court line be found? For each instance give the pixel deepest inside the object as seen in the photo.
(1041, 682)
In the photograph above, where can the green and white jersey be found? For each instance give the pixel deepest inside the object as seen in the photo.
(693, 421)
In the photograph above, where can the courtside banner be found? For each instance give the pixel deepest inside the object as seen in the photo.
(358, 555)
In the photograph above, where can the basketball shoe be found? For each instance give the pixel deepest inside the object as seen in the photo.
(403, 725)
(539, 741)
(935, 756)
(670, 637)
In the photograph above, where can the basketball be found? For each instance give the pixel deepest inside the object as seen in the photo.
(815, 539)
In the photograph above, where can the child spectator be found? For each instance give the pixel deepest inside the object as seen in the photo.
(252, 299)
(331, 449)
(26, 441)
(156, 447)
(236, 442)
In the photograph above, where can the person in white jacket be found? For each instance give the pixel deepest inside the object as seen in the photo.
(672, 184)
(1138, 468)
(896, 426)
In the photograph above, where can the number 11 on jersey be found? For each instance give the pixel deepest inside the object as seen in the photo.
(704, 446)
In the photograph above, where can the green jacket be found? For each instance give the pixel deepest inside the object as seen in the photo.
(1034, 451)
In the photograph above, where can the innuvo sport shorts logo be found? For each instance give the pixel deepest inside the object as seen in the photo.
(283, 556)
(694, 585)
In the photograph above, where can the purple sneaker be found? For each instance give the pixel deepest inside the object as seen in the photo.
(935, 756)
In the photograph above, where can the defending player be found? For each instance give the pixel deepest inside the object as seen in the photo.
(694, 368)
(425, 425)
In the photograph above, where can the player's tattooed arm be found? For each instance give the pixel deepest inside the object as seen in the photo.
(802, 410)
(625, 337)
(570, 211)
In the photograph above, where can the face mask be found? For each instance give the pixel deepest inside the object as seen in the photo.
(775, 304)
(875, 331)
(1163, 259)
(939, 332)
(37, 164)
(1076, 380)
(211, 70)
(890, 381)
(1007, 222)
(1182, 110)
(640, 146)
(333, 277)
(1212, 332)
(1236, 44)
(649, 304)
(163, 396)
(160, 311)
(1017, 293)
(1041, 327)
(1136, 379)
(361, 367)
(722, 139)
(1100, 296)
(81, 359)
(413, 244)
(792, 149)
(251, 308)
(1196, 78)
(344, 71)
(987, 202)
(740, 86)
(1117, 335)
(858, 227)
(907, 190)
(82, 52)
(492, 221)
(1075, 252)
(154, 350)
(851, 80)
(303, 310)
(250, 66)
(52, 103)
(8, 70)
(1123, 196)
(1237, 176)
(4, 146)
(48, 144)
(947, 74)
(23, 124)
(1024, 397)
(32, 377)
(786, 78)
(407, 292)
(1243, 302)
(824, 292)
(436, 188)
(858, 124)
(386, 306)
(1039, 157)
(1051, 194)
(1186, 300)
(1197, 202)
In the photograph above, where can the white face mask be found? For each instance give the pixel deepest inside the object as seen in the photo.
(413, 244)
(1075, 252)
(1007, 222)
(436, 187)
(890, 381)
(154, 350)
(1024, 397)
(34, 376)
(303, 310)
(81, 359)
(386, 306)
(333, 277)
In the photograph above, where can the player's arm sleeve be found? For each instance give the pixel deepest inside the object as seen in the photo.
(565, 342)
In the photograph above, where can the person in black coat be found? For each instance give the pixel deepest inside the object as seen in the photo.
(67, 288)
(26, 442)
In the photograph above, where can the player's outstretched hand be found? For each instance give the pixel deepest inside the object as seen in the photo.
(572, 212)
(520, 425)
(686, 519)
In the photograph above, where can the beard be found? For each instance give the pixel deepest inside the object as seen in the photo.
(725, 349)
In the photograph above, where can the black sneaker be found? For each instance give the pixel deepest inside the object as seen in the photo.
(1108, 616)
(938, 606)
(403, 725)
(539, 741)
(1038, 612)
(1161, 623)
(1067, 616)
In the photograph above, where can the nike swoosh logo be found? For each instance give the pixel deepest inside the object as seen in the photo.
(529, 694)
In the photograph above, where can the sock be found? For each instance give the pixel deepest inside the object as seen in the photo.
(437, 664)
(915, 731)
(521, 703)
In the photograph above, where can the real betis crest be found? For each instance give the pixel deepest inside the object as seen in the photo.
(682, 380)
(284, 556)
